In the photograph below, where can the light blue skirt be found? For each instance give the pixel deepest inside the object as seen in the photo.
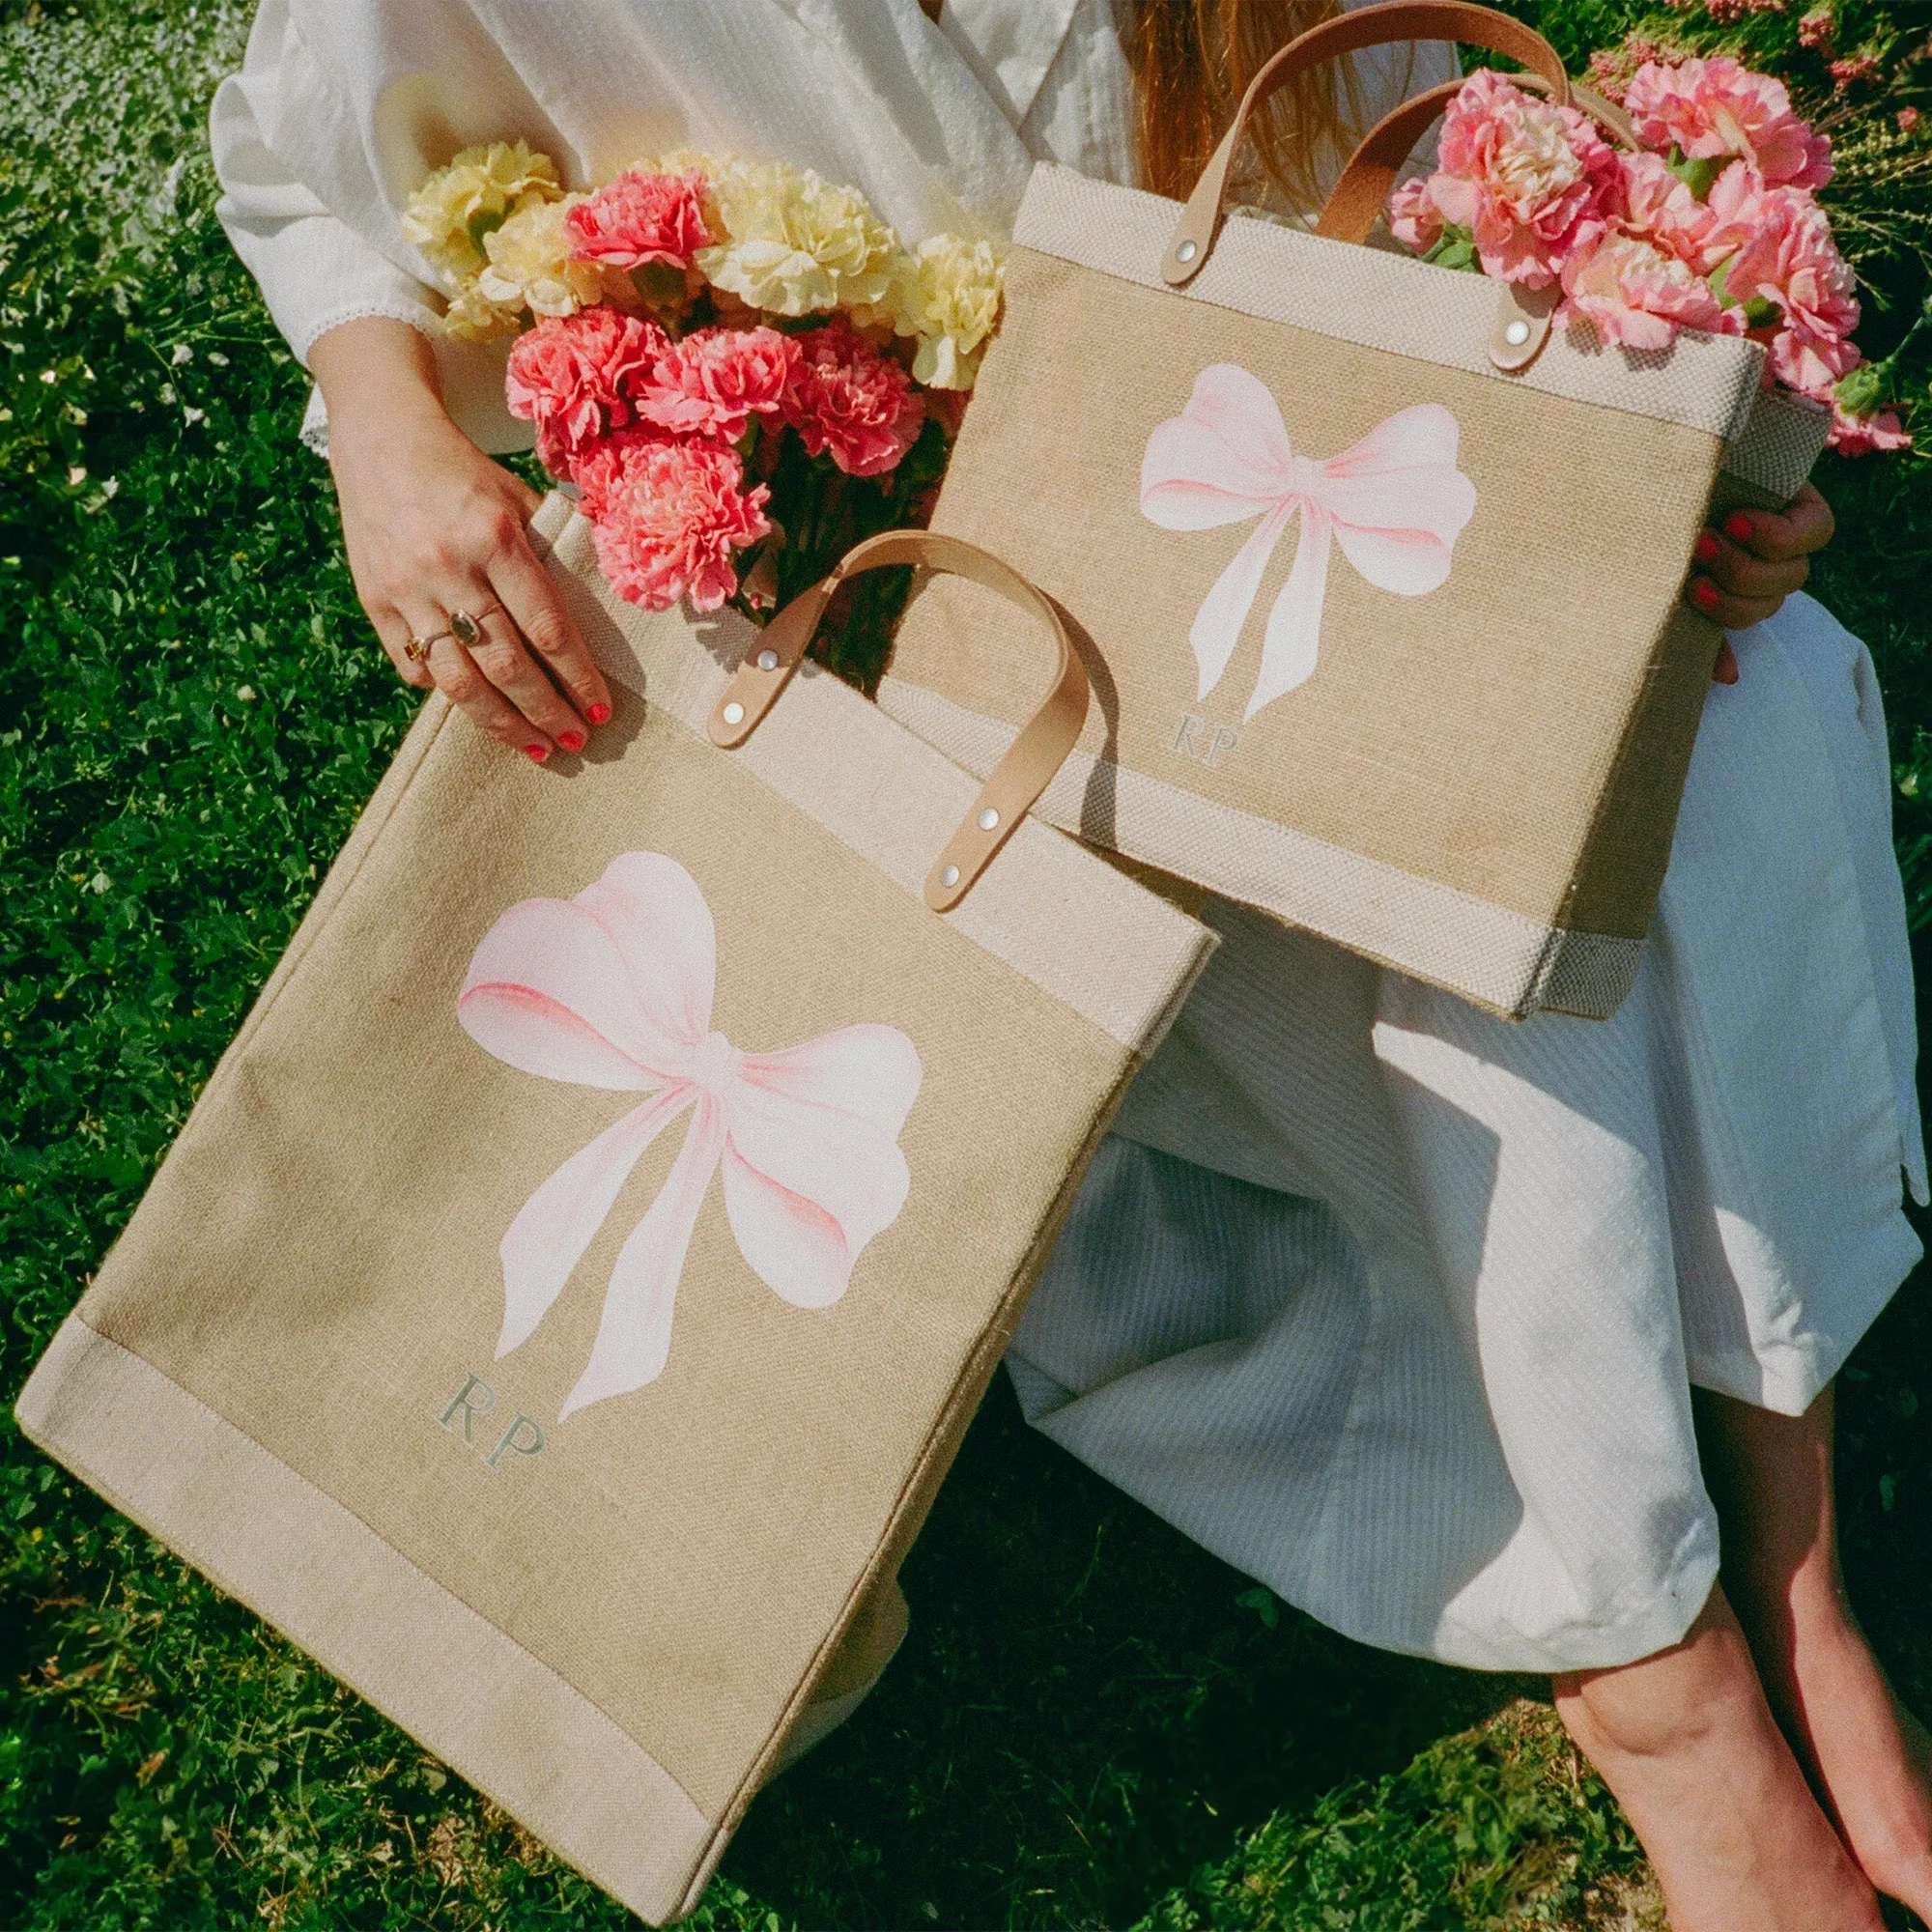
(1397, 1306)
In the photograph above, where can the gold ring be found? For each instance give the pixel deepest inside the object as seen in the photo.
(417, 648)
(465, 628)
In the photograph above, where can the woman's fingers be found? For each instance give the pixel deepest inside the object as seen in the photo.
(498, 653)
(1778, 536)
(1738, 587)
(457, 674)
(530, 597)
(392, 632)
(1761, 556)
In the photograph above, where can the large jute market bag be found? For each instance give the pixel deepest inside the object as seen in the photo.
(560, 1308)
(1382, 575)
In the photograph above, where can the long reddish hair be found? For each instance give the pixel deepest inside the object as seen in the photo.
(1193, 60)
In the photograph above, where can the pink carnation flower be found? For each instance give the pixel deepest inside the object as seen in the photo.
(1527, 178)
(667, 516)
(1859, 436)
(575, 376)
(1634, 294)
(637, 219)
(1413, 218)
(849, 399)
(1707, 108)
(1661, 208)
(1788, 261)
(714, 381)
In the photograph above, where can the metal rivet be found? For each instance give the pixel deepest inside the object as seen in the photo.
(988, 819)
(1187, 252)
(734, 713)
(1516, 333)
(949, 876)
(768, 661)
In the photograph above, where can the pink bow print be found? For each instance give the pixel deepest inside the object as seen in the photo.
(1395, 501)
(614, 990)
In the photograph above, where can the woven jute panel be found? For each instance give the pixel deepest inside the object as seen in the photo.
(1511, 742)
(288, 1327)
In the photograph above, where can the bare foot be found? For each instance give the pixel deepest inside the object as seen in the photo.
(1687, 1742)
(1870, 1756)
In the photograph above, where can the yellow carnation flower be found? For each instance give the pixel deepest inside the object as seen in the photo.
(530, 262)
(794, 243)
(475, 318)
(449, 217)
(947, 293)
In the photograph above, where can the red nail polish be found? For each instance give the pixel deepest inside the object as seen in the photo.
(536, 754)
(571, 741)
(1704, 595)
(1705, 548)
(599, 714)
(1739, 526)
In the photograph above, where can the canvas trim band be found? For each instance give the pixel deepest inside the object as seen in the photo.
(1381, 300)
(1061, 918)
(1501, 958)
(497, 1715)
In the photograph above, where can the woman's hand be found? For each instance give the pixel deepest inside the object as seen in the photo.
(1746, 570)
(434, 527)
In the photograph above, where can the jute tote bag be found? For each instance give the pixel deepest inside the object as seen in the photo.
(1381, 575)
(565, 1298)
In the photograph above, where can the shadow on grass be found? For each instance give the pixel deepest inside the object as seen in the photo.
(1087, 1708)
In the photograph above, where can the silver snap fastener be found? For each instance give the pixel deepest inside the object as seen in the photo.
(768, 661)
(949, 876)
(988, 819)
(1187, 252)
(1516, 333)
(734, 713)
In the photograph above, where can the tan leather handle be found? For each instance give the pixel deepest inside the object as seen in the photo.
(1015, 783)
(1523, 315)
(1396, 20)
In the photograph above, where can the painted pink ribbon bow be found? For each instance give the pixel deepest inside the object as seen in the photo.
(1395, 501)
(614, 990)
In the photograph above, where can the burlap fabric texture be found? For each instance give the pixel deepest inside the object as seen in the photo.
(1385, 641)
(614, 1604)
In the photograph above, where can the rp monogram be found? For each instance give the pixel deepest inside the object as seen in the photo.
(523, 1438)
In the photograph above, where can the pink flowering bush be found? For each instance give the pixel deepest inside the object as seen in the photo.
(1712, 224)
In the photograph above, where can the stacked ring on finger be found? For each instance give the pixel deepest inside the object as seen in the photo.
(463, 627)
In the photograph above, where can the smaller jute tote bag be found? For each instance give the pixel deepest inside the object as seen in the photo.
(1381, 575)
(562, 1304)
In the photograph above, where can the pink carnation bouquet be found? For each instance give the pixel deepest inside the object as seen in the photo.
(1712, 223)
(738, 368)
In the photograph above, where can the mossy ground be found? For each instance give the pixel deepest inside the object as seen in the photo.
(1092, 1723)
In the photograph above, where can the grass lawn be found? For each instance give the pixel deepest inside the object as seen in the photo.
(1092, 1723)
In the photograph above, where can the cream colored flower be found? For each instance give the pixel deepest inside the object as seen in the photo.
(450, 215)
(947, 293)
(530, 262)
(795, 243)
(475, 318)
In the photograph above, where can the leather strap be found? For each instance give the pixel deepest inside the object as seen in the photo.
(1396, 20)
(1015, 783)
(1523, 315)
